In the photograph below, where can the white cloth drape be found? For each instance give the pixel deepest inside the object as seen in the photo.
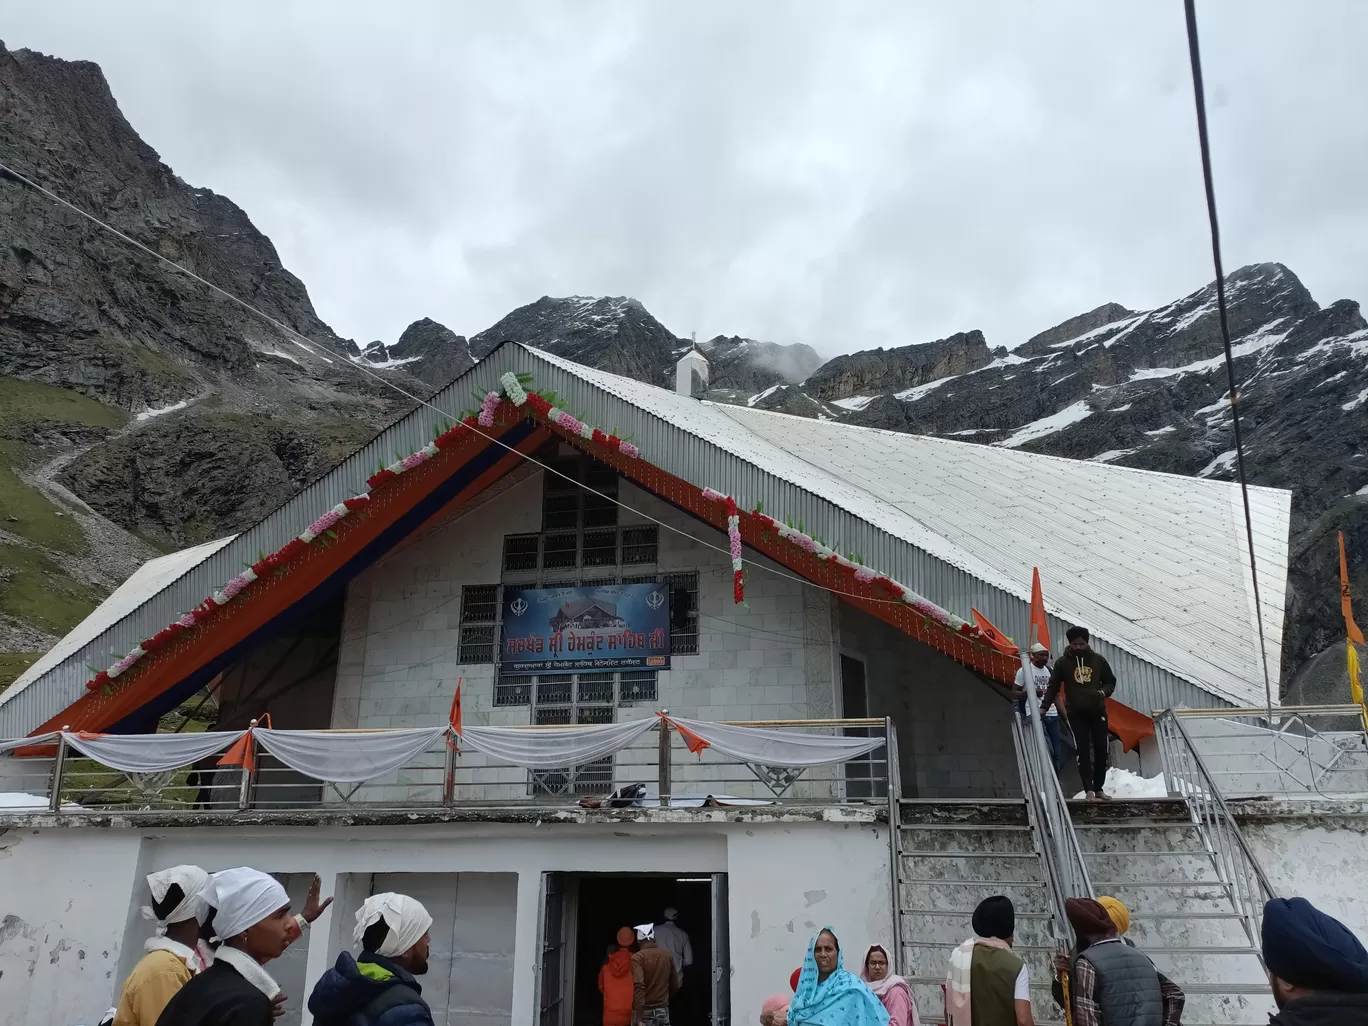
(151, 753)
(406, 918)
(9, 744)
(554, 747)
(345, 757)
(768, 746)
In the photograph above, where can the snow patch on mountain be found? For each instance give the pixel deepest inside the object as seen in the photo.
(1071, 414)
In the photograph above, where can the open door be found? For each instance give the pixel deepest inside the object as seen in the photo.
(551, 1000)
(721, 953)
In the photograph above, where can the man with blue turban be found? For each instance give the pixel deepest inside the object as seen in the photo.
(1318, 969)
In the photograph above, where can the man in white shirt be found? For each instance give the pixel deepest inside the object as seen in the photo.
(1040, 678)
(671, 936)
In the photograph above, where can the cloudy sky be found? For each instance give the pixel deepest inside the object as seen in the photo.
(847, 175)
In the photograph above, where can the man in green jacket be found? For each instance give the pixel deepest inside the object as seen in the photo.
(1087, 682)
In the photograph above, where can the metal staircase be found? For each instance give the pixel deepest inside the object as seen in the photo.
(1192, 884)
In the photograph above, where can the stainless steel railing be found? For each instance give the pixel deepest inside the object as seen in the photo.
(1241, 876)
(1065, 871)
(656, 770)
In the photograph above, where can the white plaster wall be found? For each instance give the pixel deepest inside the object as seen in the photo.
(1323, 858)
(63, 911)
(77, 890)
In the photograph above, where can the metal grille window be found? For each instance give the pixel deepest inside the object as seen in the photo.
(637, 687)
(479, 622)
(513, 691)
(560, 551)
(683, 613)
(592, 702)
(600, 548)
(580, 495)
(520, 552)
(639, 545)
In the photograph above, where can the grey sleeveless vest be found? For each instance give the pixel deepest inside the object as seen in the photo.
(1127, 985)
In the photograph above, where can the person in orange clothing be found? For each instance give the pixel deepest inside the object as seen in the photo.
(615, 981)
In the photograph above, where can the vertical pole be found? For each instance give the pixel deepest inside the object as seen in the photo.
(58, 764)
(449, 777)
(248, 760)
(663, 760)
(894, 840)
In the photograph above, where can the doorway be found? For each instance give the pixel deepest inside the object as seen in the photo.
(581, 915)
(867, 776)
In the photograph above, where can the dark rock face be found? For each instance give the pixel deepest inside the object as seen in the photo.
(1150, 390)
(430, 351)
(892, 370)
(614, 334)
(751, 365)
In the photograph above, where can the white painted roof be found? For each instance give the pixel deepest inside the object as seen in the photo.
(1154, 563)
(146, 581)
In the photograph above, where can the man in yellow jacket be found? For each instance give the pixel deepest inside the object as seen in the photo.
(175, 953)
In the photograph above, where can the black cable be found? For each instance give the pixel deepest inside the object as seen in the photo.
(1199, 95)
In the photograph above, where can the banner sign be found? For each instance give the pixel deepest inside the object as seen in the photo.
(611, 627)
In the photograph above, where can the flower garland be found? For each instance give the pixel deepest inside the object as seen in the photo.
(733, 540)
(932, 612)
(513, 391)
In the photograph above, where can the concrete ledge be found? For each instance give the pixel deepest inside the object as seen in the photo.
(161, 819)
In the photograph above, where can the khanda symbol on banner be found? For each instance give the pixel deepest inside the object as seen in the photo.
(517, 607)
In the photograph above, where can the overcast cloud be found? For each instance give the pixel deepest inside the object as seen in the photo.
(846, 175)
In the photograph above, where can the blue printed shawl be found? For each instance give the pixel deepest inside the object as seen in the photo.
(840, 1000)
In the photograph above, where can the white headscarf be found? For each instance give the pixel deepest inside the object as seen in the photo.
(243, 897)
(192, 905)
(406, 918)
(646, 931)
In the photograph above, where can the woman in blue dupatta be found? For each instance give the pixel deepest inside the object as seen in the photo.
(828, 995)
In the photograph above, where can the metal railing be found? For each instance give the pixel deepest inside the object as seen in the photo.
(1239, 872)
(1065, 871)
(656, 770)
(1303, 751)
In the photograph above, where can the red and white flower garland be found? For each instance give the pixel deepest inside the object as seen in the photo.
(733, 541)
(858, 571)
(513, 392)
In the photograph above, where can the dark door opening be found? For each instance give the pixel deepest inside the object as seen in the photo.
(866, 777)
(605, 902)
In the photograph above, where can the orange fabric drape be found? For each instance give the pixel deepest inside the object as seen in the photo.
(1129, 725)
(1042, 629)
(992, 635)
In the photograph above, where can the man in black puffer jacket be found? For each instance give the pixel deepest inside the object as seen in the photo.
(377, 988)
(1088, 682)
(1317, 968)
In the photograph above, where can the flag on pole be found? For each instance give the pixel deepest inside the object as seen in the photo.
(1346, 606)
(992, 635)
(455, 718)
(1040, 628)
(1355, 687)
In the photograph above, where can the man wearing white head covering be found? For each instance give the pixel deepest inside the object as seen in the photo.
(653, 979)
(377, 987)
(252, 918)
(674, 939)
(1040, 680)
(173, 954)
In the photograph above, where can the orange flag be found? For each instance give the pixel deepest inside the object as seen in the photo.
(241, 753)
(1042, 629)
(1129, 725)
(1346, 606)
(692, 741)
(456, 707)
(992, 635)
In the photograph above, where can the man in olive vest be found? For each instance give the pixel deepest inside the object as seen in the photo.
(1112, 983)
(988, 984)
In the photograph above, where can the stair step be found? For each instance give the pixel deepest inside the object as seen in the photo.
(1109, 884)
(922, 882)
(1198, 950)
(987, 853)
(1143, 916)
(1168, 852)
(964, 913)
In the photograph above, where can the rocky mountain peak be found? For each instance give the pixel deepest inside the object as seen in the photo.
(893, 370)
(749, 365)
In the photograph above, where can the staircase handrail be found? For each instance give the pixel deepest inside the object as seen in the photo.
(1239, 870)
(1065, 869)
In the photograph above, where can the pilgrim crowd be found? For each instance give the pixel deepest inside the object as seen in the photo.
(216, 934)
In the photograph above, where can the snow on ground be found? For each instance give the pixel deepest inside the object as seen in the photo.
(280, 355)
(383, 364)
(1260, 340)
(911, 395)
(1071, 414)
(855, 402)
(1333, 378)
(1354, 404)
(159, 411)
(1111, 454)
(1122, 783)
(763, 395)
(1113, 326)
(1222, 464)
(1362, 491)
(1161, 431)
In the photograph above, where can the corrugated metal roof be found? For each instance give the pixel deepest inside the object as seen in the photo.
(1154, 564)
